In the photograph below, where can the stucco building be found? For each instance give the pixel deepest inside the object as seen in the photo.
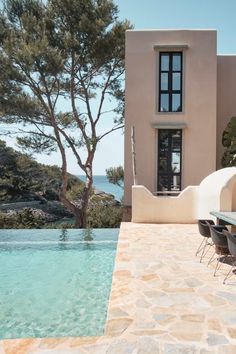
(180, 95)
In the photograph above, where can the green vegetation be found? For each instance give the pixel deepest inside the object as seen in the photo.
(104, 216)
(59, 60)
(24, 219)
(229, 142)
(99, 216)
(24, 179)
(115, 175)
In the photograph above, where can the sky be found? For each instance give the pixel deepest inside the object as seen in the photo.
(176, 14)
(162, 14)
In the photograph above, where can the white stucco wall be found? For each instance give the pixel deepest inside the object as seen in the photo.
(148, 208)
(216, 192)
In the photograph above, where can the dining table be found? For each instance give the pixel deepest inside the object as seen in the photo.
(225, 217)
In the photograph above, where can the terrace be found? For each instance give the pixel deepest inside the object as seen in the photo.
(162, 300)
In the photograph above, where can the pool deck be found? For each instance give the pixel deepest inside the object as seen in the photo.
(162, 300)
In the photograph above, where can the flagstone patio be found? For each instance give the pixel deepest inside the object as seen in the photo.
(162, 300)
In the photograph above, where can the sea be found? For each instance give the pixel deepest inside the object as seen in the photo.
(101, 183)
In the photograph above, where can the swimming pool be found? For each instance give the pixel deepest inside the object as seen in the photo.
(55, 283)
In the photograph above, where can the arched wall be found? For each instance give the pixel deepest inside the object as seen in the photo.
(226, 200)
(228, 196)
(216, 192)
(234, 197)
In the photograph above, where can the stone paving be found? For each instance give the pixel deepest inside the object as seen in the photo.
(162, 300)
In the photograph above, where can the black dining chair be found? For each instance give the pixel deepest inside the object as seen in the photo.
(231, 238)
(221, 245)
(204, 230)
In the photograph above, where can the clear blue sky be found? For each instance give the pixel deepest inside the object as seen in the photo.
(164, 14)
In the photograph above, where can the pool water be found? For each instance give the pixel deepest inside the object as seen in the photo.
(55, 283)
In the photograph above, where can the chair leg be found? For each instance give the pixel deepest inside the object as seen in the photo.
(227, 275)
(216, 267)
(208, 248)
(205, 249)
(200, 246)
(218, 264)
(211, 259)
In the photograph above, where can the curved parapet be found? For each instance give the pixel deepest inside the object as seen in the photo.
(217, 192)
(147, 208)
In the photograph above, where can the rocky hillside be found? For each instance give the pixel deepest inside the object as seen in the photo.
(23, 179)
(29, 195)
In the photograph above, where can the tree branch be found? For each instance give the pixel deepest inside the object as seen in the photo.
(110, 131)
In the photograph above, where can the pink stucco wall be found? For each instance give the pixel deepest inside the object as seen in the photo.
(226, 97)
(199, 104)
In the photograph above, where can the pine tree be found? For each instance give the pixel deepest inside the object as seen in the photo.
(62, 69)
(229, 142)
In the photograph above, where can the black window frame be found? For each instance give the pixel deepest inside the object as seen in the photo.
(170, 92)
(169, 173)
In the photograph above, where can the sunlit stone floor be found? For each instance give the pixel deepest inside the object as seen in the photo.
(162, 300)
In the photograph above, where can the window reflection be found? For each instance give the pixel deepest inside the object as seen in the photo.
(163, 183)
(163, 136)
(164, 102)
(165, 62)
(176, 62)
(163, 165)
(176, 140)
(170, 82)
(176, 102)
(169, 159)
(175, 183)
(175, 163)
(164, 81)
(176, 81)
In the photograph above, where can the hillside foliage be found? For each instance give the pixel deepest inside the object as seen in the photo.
(24, 179)
(115, 175)
(229, 143)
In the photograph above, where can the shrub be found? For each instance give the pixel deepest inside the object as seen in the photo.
(23, 219)
(104, 216)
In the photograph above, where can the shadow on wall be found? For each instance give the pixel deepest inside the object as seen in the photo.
(228, 197)
(216, 192)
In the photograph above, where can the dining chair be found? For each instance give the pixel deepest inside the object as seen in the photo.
(204, 230)
(231, 238)
(221, 245)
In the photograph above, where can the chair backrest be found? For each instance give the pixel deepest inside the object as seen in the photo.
(203, 227)
(231, 242)
(218, 237)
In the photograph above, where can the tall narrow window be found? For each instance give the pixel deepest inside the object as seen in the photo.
(170, 82)
(169, 159)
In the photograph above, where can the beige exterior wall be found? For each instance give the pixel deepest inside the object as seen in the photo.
(226, 97)
(199, 104)
(148, 208)
(215, 192)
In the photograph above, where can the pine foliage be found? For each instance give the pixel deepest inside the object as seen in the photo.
(229, 142)
(22, 178)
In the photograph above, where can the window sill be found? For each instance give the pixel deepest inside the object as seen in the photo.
(169, 125)
(170, 46)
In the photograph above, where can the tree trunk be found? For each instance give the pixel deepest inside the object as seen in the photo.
(81, 219)
(80, 212)
(85, 198)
